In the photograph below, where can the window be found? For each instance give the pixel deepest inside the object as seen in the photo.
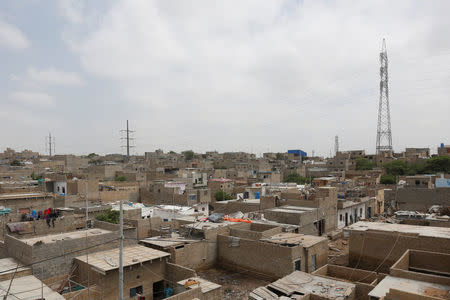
(417, 182)
(136, 291)
(203, 209)
(298, 265)
(360, 212)
(340, 217)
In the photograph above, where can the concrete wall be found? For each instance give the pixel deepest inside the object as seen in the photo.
(364, 281)
(378, 245)
(417, 199)
(144, 276)
(267, 259)
(191, 255)
(234, 206)
(32, 203)
(64, 224)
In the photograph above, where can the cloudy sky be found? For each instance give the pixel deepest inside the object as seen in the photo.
(206, 75)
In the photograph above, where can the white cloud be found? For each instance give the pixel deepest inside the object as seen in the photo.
(52, 76)
(32, 98)
(71, 10)
(286, 69)
(12, 37)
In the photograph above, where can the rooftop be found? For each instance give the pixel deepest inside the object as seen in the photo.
(410, 286)
(26, 288)
(304, 283)
(168, 241)
(293, 209)
(108, 260)
(294, 239)
(439, 232)
(20, 196)
(9, 265)
(208, 225)
(205, 285)
(53, 238)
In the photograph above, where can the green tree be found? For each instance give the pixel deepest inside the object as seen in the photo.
(364, 164)
(92, 155)
(437, 164)
(221, 195)
(388, 179)
(121, 178)
(297, 179)
(188, 155)
(397, 167)
(280, 156)
(110, 216)
(16, 163)
(36, 177)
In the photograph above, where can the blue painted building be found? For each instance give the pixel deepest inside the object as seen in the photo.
(299, 153)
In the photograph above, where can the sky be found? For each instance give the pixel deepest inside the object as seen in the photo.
(206, 75)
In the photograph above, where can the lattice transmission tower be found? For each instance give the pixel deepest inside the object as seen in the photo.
(384, 134)
(128, 137)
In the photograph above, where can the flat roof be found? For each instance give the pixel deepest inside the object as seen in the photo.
(411, 286)
(305, 283)
(430, 231)
(293, 209)
(209, 225)
(23, 195)
(9, 265)
(108, 260)
(26, 288)
(53, 238)
(294, 238)
(168, 241)
(205, 285)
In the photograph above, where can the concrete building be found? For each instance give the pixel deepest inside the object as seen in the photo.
(364, 281)
(303, 286)
(349, 212)
(145, 271)
(443, 150)
(377, 246)
(415, 199)
(23, 203)
(264, 253)
(305, 217)
(224, 184)
(63, 247)
(419, 181)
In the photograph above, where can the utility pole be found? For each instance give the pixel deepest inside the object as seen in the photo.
(121, 254)
(384, 134)
(87, 228)
(336, 145)
(128, 137)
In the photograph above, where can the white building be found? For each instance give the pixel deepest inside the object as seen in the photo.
(350, 212)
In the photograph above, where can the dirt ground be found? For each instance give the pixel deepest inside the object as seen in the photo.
(235, 285)
(338, 252)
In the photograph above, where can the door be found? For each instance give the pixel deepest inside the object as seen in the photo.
(313, 263)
